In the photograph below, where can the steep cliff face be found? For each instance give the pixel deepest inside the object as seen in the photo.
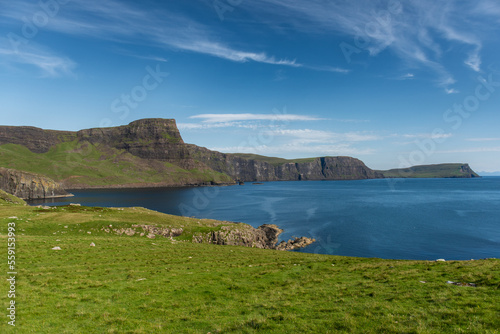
(28, 185)
(467, 172)
(242, 169)
(152, 139)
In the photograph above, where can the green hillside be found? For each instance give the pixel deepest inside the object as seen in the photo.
(134, 284)
(432, 171)
(78, 164)
(6, 199)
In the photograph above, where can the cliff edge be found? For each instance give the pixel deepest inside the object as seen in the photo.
(246, 169)
(28, 185)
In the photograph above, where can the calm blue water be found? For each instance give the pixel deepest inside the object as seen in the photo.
(455, 219)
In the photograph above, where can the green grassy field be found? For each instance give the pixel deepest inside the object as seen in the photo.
(83, 164)
(133, 284)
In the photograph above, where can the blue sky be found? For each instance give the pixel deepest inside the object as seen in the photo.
(391, 83)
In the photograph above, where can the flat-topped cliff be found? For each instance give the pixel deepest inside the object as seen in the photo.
(151, 153)
(242, 168)
(457, 170)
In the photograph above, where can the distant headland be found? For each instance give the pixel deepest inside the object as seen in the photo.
(39, 163)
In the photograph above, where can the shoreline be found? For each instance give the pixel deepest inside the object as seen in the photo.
(148, 186)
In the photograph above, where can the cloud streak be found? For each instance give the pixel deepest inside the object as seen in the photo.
(48, 63)
(224, 118)
(420, 33)
(117, 21)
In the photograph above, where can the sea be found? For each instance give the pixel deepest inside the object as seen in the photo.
(418, 219)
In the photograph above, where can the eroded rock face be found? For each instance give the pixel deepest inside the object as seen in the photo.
(467, 171)
(150, 231)
(295, 243)
(265, 237)
(28, 185)
(242, 169)
(153, 139)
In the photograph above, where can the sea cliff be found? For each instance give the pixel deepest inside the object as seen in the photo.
(28, 185)
(152, 153)
(245, 169)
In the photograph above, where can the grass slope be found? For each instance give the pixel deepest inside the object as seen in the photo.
(132, 284)
(426, 171)
(82, 164)
(6, 198)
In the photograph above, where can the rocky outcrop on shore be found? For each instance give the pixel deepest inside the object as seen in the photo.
(265, 237)
(28, 185)
(150, 231)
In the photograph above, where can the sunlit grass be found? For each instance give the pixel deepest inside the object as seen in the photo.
(138, 285)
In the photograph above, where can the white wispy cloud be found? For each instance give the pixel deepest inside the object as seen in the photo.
(407, 76)
(424, 135)
(451, 91)
(118, 21)
(47, 62)
(326, 69)
(224, 118)
(419, 32)
(226, 52)
(483, 139)
(206, 126)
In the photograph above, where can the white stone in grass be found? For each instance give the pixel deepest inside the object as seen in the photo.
(440, 260)
(89, 232)
(56, 248)
(92, 244)
(13, 217)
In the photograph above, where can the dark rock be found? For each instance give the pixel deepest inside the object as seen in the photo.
(295, 244)
(326, 168)
(29, 185)
(152, 139)
(265, 236)
(467, 172)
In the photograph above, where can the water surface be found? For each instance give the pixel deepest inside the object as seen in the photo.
(397, 218)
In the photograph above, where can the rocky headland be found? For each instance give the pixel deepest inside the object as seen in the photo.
(29, 185)
(152, 153)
